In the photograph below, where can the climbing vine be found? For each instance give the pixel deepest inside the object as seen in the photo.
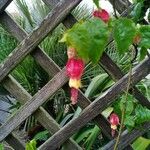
(86, 42)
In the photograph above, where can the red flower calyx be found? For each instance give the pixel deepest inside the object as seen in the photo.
(74, 68)
(102, 14)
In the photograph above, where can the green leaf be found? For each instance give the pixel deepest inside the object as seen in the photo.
(106, 113)
(1, 146)
(31, 145)
(89, 38)
(92, 138)
(83, 134)
(129, 122)
(96, 2)
(145, 36)
(141, 143)
(143, 52)
(137, 12)
(129, 104)
(66, 119)
(142, 114)
(95, 83)
(124, 32)
(42, 136)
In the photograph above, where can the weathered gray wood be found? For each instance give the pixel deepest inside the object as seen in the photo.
(15, 142)
(28, 44)
(127, 138)
(31, 105)
(114, 71)
(51, 68)
(7, 146)
(4, 4)
(41, 115)
(96, 107)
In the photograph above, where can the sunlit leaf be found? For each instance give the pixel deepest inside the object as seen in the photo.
(89, 38)
(95, 83)
(124, 32)
(141, 143)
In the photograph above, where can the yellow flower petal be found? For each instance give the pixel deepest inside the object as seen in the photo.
(114, 127)
(74, 83)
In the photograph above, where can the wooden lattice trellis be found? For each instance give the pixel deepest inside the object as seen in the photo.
(30, 105)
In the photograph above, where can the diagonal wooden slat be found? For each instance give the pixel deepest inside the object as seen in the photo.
(97, 106)
(114, 71)
(41, 115)
(4, 4)
(45, 65)
(38, 55)
(51, 68)
(28, 44)
(13, 140)
(92, 110)
(31, 105)
(128, 138)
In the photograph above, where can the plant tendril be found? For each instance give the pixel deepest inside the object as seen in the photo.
(124, 105)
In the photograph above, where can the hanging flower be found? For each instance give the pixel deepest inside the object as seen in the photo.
(114, 121)
(74, 69)
(102, 14)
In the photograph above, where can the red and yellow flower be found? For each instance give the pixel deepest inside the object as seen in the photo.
(74, 70)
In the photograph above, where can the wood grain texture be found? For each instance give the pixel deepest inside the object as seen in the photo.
(41, 115)
(114, 71)
(57, 14)
(4, 4)
(128, 138)
(51, 68)
(15, 142)
(43, 55)
(31, 105)
(97, 106)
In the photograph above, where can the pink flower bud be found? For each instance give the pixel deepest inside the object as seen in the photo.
(74, 68)
(102, 14)
(114, 119)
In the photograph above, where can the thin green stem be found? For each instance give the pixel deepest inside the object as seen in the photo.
(124, 108)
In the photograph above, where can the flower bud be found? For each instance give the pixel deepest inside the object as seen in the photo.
(114, 121)
(102, 14)
(74, 68)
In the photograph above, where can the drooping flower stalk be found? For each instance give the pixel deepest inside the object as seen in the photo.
(102, 14)
(74, 69)
(114, 121)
